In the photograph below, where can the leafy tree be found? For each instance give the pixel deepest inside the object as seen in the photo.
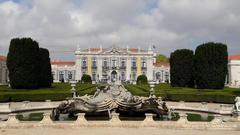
(142, 79)
(182, 68)
(45, 73)
(23, 63)
(86, 79)
(211, 65)
(162, 58)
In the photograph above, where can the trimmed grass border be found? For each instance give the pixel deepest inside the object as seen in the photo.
(58, 91)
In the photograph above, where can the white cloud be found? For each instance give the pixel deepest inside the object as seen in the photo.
(168, 24)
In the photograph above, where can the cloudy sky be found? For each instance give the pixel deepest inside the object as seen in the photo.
(168, 24)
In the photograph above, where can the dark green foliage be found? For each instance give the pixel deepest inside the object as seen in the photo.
(142, 79)
(211, 65)
(45, 72)
(23, 63)
(86, 79)
(182, 68)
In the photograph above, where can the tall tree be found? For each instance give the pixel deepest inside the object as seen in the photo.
(211, 65)
(162, 58)
(182, 68)
(23, 63)
(45, 72)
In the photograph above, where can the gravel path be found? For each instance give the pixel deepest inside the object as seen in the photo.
(111, 131)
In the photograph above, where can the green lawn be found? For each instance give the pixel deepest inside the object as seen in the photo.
(58, 91)
(225, 95)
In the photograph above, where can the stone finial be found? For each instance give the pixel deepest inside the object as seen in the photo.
(81, 121)
(12, 118)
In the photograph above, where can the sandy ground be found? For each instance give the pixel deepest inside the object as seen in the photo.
(112, 131)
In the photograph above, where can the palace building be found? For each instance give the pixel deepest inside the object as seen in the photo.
(3, 71)
(233, 78)
(112, 64)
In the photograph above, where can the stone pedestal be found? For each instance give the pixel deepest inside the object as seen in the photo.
(12, 118)
(148, 121)
(81, 121)
(217, 119)
(115, 118)
(182, 118)
(149, 118)
(46, 119)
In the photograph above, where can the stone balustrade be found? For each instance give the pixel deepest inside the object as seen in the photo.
(216, 123)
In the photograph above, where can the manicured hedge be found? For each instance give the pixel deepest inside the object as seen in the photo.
(59, 91)
(186, 94)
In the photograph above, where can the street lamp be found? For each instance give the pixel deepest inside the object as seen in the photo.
(73, 90)
(152, 85)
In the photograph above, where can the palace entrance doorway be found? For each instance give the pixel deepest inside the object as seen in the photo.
(113, 76)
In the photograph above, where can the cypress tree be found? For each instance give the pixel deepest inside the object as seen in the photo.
(211, 65)
(182, 68)
(45, 72)
(22, 63)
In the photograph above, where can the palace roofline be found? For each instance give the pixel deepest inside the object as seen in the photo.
(234, 57)
(3, 58)
(59, 62)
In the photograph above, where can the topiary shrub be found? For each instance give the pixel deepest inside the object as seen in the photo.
(142, 79)
(182, 68)
(211, 61)
(86, 79)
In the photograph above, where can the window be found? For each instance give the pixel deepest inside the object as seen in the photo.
(143, 63)
(105, 63)
(133, 76)
(94, 62)
(61, 76)
(84, 62)
(123, 63)
(69, 75)
(53, 75)
(113, 63)
(134, 62)
(94, 76)
(122, 76)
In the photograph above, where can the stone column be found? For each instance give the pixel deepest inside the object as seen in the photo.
(148, 121)
(149, 62)
(12, 118)
(99, 67)
(46, 119)
(81, 121)
(182, 118)
(217, 119)
(128, 68)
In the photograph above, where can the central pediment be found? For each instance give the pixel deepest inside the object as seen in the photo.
(114, 50)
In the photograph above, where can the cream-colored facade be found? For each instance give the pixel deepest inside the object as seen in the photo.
(114, 64)
(234, 71)
(63, 71)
